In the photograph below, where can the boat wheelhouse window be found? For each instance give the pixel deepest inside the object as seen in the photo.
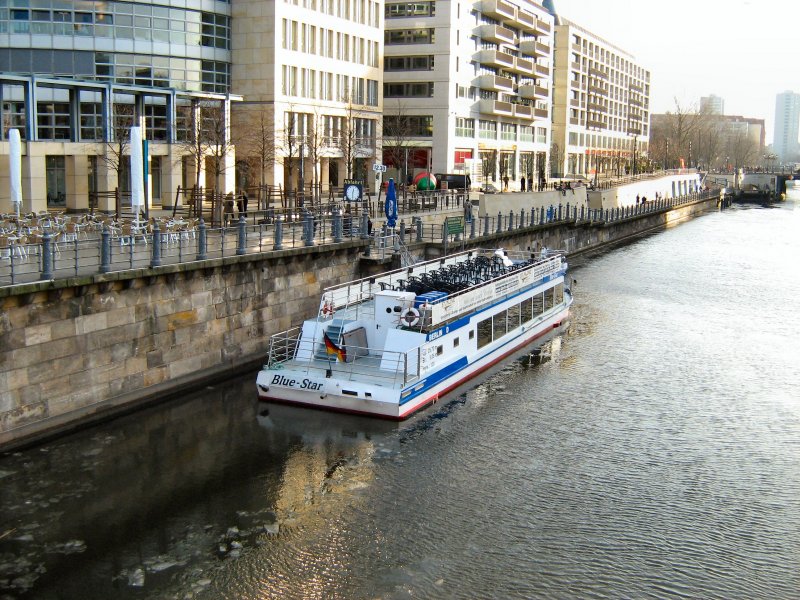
(548, 299)
(538, 303)
(499, 325)
(527, 310)
(559, 293)
(455, 343)
(513, 317)
(472, 334)
(484, 332)
(439, 350)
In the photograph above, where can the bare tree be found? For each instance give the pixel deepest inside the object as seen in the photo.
(257, 139)
(741, 149)
(315, 144)
(397, 133)
(291, 140)
(116, 151)
(556, 160)
(216, 137)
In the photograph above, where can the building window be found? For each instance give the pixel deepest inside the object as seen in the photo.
(487, 130)
(421, 89)
(410, 9)
(408, 63)
(56, 181)
(508, 132)
(216, 29)
(53, 120)
(409, 36)
(465, 127)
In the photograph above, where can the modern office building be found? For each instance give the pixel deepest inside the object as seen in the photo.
(601, 105)
(467, 89)
(76, 75)
(787, 125)
(712, 105)
(310, 73)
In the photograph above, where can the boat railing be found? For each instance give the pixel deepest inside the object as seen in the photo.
(393, 366)
(283, 346)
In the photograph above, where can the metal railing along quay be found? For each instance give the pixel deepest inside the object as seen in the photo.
(51, 259)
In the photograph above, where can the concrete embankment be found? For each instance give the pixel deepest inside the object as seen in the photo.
(74, 351)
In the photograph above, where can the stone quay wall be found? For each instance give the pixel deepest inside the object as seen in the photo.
(77, 350)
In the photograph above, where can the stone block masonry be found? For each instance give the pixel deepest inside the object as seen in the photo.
(75, 350)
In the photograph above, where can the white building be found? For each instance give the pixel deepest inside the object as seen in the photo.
(467, 89)
(712, 105)
(601, 105)
(787, 123)
(310, 73)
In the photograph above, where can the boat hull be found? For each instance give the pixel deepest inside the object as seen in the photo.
(274, 385)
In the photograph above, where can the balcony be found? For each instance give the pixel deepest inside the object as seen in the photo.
(575, 66)
(596, 107)
(495, 58)
(541, 70)
(597, 90)
(633, 102)
(494, 83)
(595, 124)
(575, 103)
(523, 66)
(496, 107)
(635, 87)
(523, 111)
(533, 92)
(525, 21)
(542, 27)
(496, 34)
(634, 131)
(574, 121)
(534, 48)
(540, 113)
(598, 73)
(497, 9)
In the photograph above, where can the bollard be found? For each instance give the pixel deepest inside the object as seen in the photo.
(567, 213)
(511, 220)
(582, 211)
(606, 219)
(278, 244)
(47, 256)
(541, 215)
(419, 229)
(241, 246)
(337, 227)
(486, 225)
(472, 229)
(521, 218)
(559, 211)
(105, 250)
(402, 232)
(202, 241)
(364, 234)
(533, 217)
(308, 226)
(499, 222)
(155, 260)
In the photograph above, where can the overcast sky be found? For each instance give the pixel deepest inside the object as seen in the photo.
(744, 51)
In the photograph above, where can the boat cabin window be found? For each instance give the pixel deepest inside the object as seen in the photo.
(484, 332)
(548, 299)
(472, 334)
(538, 303)
(527, 310)
(439, 350)
(455, 343)
(499, 326)
(513, 316)
(559, 293)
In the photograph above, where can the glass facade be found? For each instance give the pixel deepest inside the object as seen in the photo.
(114, 26)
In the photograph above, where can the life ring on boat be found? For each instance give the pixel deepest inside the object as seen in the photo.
(327, 309)
(409, 317)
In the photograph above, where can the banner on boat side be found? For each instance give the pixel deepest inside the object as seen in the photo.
(459, 304)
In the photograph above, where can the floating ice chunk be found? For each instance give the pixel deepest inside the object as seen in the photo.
(136, 579)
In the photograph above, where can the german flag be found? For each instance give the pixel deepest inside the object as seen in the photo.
(332, 348)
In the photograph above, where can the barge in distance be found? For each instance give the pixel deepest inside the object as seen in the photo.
(390, 345)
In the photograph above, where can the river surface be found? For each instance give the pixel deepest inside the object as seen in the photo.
(652, 452)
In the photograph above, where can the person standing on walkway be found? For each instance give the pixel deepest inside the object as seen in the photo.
(243, 204)
(522, 183)
(227, 210)
(505, 183)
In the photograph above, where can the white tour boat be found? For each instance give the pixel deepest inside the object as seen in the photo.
(391, 344)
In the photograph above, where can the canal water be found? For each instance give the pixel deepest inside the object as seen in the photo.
(651, 451)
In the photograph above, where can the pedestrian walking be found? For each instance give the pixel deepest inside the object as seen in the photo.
(227, 211)
(505, 183)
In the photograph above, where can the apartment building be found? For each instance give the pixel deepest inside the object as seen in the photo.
(467, 89)
(74, 72)
(601, 106)
(310, 74)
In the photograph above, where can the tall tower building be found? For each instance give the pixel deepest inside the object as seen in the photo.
(467, 89)
(787, 126)
(712, 105)
(310, 73)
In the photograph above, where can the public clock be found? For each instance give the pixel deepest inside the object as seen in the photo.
(352, 192)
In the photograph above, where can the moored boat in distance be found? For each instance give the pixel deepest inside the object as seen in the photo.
(391, 344)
